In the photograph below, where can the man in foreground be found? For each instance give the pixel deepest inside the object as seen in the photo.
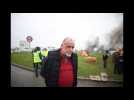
(60, 69)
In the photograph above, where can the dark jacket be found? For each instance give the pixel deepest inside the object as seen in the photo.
(51, 68)
(105, 56)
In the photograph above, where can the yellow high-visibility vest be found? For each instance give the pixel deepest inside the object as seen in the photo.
(36, 57)
(45, 53)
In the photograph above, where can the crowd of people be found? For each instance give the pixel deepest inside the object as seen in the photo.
(39, 57)
(59, 67)
(117, 59)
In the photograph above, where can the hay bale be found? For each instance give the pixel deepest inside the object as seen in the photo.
(91, 59)
(83, 53)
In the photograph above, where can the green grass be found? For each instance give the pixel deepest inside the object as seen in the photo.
(95, 68)
(22, 58)
(84, 69)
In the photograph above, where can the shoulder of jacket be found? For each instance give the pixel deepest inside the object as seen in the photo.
(54, 53)
(74, 55)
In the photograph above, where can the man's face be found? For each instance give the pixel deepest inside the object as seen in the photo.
(68, 48)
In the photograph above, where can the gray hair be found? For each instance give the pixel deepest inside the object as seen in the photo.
(67, 40)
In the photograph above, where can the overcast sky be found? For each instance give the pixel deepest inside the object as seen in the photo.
(49, 29)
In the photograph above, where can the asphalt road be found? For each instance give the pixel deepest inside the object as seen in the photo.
(24, 78)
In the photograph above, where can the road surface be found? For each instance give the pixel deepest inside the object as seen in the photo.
(24, 78)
